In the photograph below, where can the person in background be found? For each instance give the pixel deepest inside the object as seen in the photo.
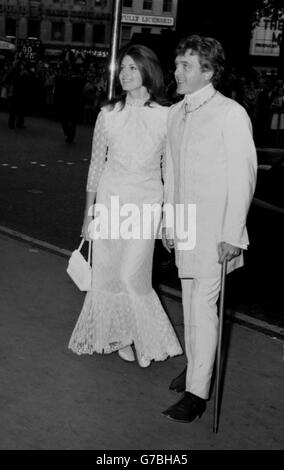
(18, 81)
(211, 165)
(69, 99)
(277, 118)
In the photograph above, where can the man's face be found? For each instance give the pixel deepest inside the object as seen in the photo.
(188, 73)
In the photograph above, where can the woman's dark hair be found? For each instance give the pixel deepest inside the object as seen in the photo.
(151, 72)
(210, 52)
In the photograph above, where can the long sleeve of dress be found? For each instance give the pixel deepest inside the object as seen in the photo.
(99, 151)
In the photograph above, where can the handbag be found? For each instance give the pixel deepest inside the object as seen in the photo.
(79, 269)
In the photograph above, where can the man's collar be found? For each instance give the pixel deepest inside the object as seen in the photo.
(196, 98)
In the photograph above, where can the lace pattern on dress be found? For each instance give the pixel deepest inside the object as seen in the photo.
(109, 322)
(99, 152)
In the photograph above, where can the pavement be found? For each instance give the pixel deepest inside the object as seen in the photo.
(51, 398)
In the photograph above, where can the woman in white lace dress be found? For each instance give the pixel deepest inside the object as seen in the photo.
(122, 309)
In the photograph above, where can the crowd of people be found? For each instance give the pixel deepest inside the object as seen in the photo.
(35, 88)
(44, 88)
(261, 94)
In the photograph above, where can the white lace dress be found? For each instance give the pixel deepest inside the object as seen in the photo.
(122, 308)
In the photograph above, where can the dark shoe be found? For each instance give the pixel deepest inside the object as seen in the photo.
(186, 409)
(178, 384)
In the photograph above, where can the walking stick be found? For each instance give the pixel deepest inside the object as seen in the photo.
(219, 346)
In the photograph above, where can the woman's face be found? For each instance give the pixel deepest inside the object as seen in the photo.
(129, 75)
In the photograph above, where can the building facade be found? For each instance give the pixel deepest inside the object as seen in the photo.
(147, 17)
(82, 23)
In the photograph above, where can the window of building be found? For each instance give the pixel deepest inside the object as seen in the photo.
(125, 34)
(147, 4)
(78, 32)
(127, 3)
(33, 28)
(99, 3)
(167, 5)
(99, 33)
(11, 27)
(57, 31)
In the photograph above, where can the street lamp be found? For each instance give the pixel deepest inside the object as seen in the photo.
(115, 33)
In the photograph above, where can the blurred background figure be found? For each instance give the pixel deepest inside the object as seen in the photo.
(49, 84)
(69, 99)
(89, 92)
(18, 83)
(277, 118)
(250, 99)
(67, 55)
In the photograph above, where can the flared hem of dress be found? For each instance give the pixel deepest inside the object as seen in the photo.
(109, 322)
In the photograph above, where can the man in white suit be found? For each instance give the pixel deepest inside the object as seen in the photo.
(210, 163)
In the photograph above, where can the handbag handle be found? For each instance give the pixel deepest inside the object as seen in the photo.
(81, 244)
(89, 249)
(89, 252)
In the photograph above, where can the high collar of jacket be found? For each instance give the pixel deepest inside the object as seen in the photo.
(198, 97)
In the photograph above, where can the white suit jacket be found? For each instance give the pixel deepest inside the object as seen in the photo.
(211, 163)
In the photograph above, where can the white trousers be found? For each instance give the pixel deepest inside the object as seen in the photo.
(199, 298)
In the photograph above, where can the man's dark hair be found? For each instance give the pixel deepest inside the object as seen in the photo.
(210, 52)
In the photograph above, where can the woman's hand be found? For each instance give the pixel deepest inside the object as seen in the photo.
(85, 227)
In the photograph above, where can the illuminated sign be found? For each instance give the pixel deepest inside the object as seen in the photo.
(29, 49)
(267, 37)
(94, 52)
(100, 53)
(148, 20)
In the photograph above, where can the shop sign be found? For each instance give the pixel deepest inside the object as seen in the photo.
(148, 20)
(14, 9)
